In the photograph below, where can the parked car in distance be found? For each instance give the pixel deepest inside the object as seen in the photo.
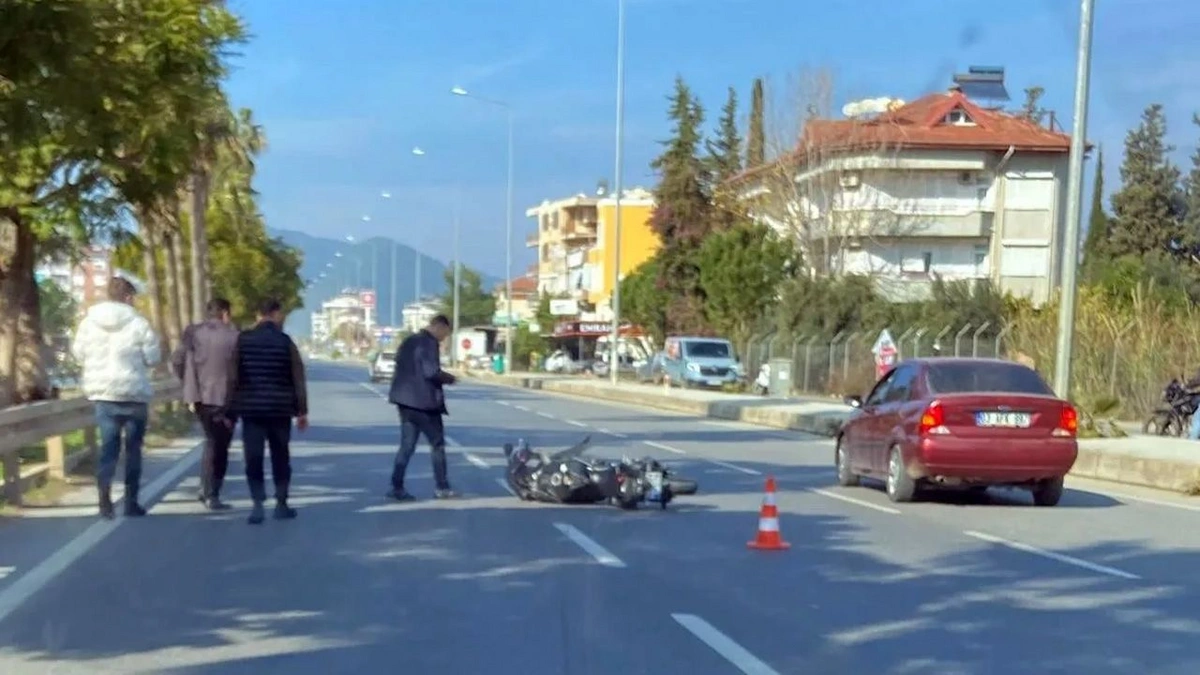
(959, 423)
(692, 362)
(382, 366)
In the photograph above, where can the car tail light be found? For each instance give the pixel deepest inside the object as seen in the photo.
(1068, 421)
(933, 420)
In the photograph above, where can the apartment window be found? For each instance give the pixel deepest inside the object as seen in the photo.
(917, 263)
(980, 259)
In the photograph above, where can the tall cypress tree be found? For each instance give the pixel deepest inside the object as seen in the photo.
(1095, 247)
(683, 211)
(1147, 208)
(725, 149)
(756, 142)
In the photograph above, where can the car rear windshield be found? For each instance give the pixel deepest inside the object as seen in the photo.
(967, 377)
(708, 349)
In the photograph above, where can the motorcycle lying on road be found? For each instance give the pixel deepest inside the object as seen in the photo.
(1174, 416)
(565, 477)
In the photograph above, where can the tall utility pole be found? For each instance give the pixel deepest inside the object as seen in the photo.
(508, 224)
(1070, 247)
(613, 360)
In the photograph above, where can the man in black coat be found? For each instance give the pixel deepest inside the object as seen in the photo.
(417, 392)
(267, 389)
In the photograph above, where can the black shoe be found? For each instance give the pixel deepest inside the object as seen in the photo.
(134, 510)
(445, 494)
(283, 511)
(401, 495)
(106, 505)
(215, 504)
(257, 514)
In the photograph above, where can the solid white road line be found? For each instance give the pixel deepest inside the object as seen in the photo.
(663, 446)
(37, 578)
(735, 467)
(1070, 560)
(720, 643)
(586, 543)
(504, 484)
(451, 442)
(859, 502)
(477, 461)
(576, 424)
(546, 415)
(611, 433)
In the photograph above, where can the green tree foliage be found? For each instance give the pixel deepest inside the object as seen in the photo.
(477, 307)
(644, 300)
(756, 141)
(683, 211)
(1191, 195)
(97, 99)
(1146, 209)
(59, 309)
(682, 205)
(1095, 246)
(724, 162)
(741, 270)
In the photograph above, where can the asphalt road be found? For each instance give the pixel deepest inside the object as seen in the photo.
(1104, 583)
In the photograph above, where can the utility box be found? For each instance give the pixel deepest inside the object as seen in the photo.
(781, 377)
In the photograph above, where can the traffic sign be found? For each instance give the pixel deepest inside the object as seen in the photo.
(466, 343)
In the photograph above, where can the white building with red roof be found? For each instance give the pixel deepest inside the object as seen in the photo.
(941, 186)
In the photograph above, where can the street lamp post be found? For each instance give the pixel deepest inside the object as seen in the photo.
(508, 225)
(1070, 255)
(613, 359)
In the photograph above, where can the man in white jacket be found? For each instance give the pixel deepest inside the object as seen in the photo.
(116, 348)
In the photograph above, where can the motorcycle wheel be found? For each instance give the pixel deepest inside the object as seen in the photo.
(683, 486)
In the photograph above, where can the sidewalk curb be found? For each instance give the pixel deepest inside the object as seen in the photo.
(1095, 461)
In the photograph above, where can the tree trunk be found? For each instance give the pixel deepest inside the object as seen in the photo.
(171, 285)
(22, 371)
(187, 310)
(199, 242)
(151, 272)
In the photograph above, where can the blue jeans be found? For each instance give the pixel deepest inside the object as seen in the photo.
(113, 418)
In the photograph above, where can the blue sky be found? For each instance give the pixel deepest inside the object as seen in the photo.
(346, 88)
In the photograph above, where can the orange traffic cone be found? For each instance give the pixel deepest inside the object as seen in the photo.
(768, 537)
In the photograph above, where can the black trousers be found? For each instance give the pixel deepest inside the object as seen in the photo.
(215, 460)
(413, 424)
(258, 434)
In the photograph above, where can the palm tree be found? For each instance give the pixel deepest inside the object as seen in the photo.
(229, 142)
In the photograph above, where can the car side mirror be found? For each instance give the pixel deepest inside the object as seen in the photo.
(853, 400)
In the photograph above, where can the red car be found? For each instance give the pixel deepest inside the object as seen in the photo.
(959, 423)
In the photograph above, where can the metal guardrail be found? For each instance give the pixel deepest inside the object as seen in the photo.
(48, 421)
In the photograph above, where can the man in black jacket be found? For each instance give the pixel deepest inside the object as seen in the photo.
(417, 392)
(267, 390)
(203, 362)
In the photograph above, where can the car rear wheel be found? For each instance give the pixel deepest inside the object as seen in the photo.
(1048, 492)
(900, 486)
(846, 477)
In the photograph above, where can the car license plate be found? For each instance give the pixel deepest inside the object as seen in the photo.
(714, 382)
(1011, 420)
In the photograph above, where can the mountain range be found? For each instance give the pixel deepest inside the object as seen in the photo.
(332, 264)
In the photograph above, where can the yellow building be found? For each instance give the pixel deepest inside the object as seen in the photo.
(574, 241)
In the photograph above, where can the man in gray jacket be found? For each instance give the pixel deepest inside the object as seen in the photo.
(203, 361)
